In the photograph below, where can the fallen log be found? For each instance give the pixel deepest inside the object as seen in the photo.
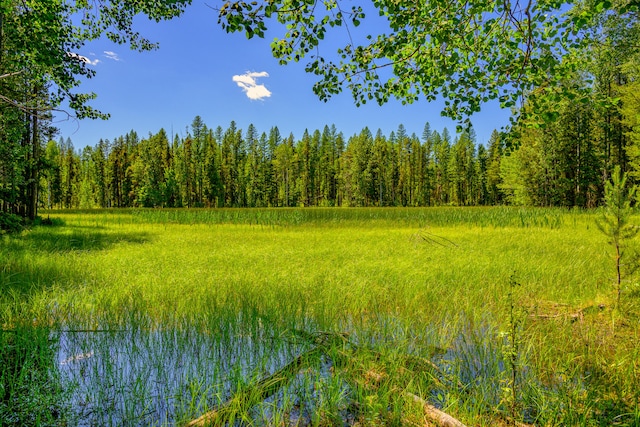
(433, 414)
(268, 386)
(575, 316)
(259, 392)
(410, 361)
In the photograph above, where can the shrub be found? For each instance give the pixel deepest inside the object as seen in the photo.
(10, 222)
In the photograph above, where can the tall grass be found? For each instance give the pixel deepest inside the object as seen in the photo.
(162, 315)
(503, 216)
(31, 392)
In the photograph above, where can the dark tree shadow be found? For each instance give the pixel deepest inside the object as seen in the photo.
(63, 239)
(20, 272)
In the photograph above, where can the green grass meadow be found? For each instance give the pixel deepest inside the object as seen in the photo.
(156, 317)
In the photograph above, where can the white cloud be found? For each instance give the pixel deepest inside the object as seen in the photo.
(111, 55)
(247, 82)
(83, 58)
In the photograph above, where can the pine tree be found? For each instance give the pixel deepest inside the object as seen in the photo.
(403, 145)
(275, 139)
(304, 181)
(441, 153)
(251, 172)
(326, 168)
(429, 171)
(481, 163)
(52, 178)
(87, 189)
(70, 174)
(213, 189)
(284, 162)
(615, 223)
(265, 172)
(496, 149)
(99, 160)
(377, 166)
(199, 131)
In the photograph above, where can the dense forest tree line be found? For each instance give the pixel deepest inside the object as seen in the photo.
(235, 168)
(563, 164)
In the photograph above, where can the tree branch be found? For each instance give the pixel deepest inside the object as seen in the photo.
(10, 74)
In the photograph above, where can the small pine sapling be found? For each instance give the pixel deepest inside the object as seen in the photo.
(615, 224)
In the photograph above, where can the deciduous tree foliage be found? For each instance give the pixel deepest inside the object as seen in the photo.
(468, 52)
(41, 40)
(40, 67)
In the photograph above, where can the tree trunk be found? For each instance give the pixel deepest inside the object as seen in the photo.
(1, 35)
(33, 177)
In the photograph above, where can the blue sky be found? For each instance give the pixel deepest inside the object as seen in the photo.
(192, 73)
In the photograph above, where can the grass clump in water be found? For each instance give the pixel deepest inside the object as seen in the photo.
(31, 392)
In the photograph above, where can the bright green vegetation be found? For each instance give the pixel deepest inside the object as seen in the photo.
(151, 317)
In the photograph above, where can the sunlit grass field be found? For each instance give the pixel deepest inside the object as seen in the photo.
(156, 317)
